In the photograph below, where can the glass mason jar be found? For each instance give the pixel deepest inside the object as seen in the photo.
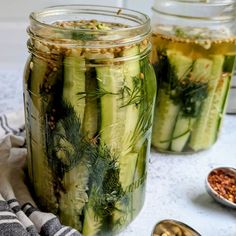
(194, 50)
(89, 93)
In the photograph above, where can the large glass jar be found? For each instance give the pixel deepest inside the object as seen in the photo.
(194, 50)
(89, 93)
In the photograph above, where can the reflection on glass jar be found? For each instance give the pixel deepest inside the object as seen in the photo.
(89, 93)
(194, 50)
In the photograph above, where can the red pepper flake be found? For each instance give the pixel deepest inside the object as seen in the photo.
(224, 183)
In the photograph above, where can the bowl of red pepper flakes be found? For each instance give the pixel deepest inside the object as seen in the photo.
(221, 185)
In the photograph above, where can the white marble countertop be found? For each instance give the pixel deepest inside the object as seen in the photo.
(175, 188)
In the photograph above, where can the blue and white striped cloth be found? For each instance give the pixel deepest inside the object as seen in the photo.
(19, 215)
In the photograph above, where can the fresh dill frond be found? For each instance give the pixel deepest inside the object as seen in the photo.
(67, 144)
(98, 93)
(76, 35)
(186, 92)
(180, 32)
(132, 96)
(166, 74)
(190, 94)
(105, 187)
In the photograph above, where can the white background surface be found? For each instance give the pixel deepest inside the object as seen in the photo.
(175, 183)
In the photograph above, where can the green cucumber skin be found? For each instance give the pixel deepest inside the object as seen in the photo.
(180, 62)
(181, 133)
(165, 117)
(167, 112)
(128, 158)
(131, 161)
(75, 181)
(229, 66)
(92, 224)
(182, 65)
(111, 79)
(219, 102)
(217, 112)
(131, 71)
(201, 71)
(74, 83)
(35, 128)
(90, 124)
(197, 139)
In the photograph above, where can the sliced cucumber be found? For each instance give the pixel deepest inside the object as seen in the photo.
(111, 81)
(128, 158)
(198, 140)
(165, 127)
(90, 124)
(201, 71)
(219, 102)
(181, 132)
(229, 63)
(165, 117)
(75, 181)
(132, 81)
(217, 111)
(74, 83)
(181, 63)
(92, 224)
(37, 136)
(73, 200)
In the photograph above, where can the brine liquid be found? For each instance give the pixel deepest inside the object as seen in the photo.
(193, 77)
(193, 48)
(88, 134)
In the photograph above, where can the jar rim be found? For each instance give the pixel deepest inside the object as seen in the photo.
(220, 10)
(42, 20)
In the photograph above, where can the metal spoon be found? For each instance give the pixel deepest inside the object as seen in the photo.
(173, 228)
(216, 195)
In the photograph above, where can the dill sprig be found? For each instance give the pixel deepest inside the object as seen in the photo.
(133, 96)
(76, 35)
(104, 184)
(93, 95)
(67, 144)
(186, 92)
(166, 74)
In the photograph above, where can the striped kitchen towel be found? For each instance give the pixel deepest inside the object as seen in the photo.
(19, 215)
(12, 123)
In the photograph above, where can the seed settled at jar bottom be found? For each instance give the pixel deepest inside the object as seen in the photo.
(224, 183)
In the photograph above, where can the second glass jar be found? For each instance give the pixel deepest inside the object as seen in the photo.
(194, 50)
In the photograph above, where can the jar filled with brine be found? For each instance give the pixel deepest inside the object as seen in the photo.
(194, 50)
(89, 93)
